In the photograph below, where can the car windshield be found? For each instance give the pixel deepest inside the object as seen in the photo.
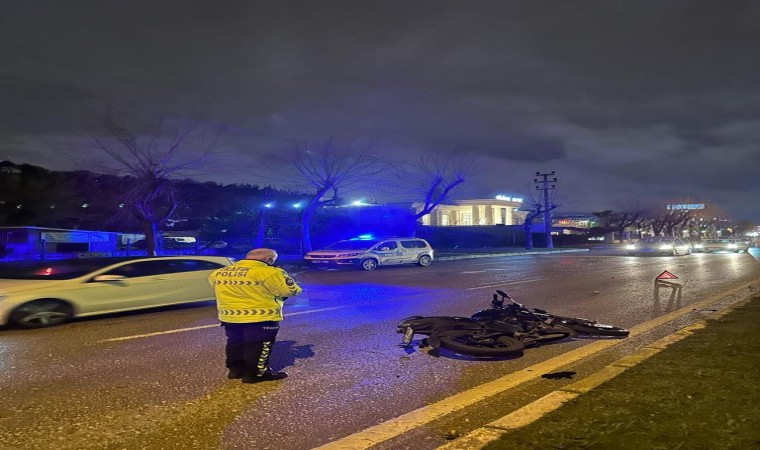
(352, 245)
(51, 270)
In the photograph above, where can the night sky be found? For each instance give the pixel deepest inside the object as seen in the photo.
(628, 101)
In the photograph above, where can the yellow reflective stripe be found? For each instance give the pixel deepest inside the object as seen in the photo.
(249, 312)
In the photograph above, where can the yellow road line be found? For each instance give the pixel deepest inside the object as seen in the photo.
(422, 416)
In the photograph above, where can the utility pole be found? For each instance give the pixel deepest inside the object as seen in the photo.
(544, 186)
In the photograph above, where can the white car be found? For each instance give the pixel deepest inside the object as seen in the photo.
(370, 253)
(660, 245)
(725, 244)
(49, 293)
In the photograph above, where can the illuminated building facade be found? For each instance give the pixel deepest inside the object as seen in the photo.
(501, 210)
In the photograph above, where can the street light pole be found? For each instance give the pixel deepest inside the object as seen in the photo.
(544, 186)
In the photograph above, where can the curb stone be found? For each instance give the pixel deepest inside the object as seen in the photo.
(532, 412)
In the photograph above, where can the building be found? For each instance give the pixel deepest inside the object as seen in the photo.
(41, 243)
(500, 210)
(574, 221)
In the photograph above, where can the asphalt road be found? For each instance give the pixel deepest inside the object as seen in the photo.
(156, 380)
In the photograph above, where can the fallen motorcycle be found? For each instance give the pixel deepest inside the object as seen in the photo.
(516, 311)
(480, 337)
(501, 331)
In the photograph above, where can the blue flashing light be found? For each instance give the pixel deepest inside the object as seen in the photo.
(296, 205)
(363, 237)
(268, 205)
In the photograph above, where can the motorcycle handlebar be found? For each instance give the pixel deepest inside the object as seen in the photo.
(505, 295)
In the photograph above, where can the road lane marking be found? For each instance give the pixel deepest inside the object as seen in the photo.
(414, 419)
(422, 416)
(495, 285)
(201, 327)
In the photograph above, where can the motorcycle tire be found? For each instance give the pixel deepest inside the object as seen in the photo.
(465, 342)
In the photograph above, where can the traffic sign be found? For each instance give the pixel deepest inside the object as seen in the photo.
(665, 275)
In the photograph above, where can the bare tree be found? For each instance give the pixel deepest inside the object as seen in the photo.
(152, 155)
(706, 222)
(327, 171)
(618, 221)
(432, 178)
(669, 222)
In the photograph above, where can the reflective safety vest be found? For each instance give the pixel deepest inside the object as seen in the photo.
(251, 291)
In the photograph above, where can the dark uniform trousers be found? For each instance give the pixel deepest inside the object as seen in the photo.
(249, 346)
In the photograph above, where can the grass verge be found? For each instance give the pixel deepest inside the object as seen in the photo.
(702, 392)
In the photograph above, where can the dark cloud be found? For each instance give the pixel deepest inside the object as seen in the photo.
(621, 98)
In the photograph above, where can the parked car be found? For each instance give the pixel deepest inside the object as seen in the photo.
(368, 254)
(52, 292)
(660, 245)
(725, 245)
(749, 241)
(697, 245)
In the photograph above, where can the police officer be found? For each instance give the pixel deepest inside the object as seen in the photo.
(249, 298)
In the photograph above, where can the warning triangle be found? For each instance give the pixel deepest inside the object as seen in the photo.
(665, 275)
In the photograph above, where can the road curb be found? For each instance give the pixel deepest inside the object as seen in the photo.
(530, 413)
(490, 255)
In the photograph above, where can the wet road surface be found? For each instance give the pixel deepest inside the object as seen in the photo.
(156, 379)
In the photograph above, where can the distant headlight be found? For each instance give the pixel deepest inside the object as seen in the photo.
(630, 247)
(666, 247)
(731, 245)
(698, 246)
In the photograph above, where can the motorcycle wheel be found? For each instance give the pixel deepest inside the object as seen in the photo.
(466, 343)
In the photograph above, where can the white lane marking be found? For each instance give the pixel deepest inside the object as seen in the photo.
(201, 327)
(474, 271)
(422, 416)
(495, 285)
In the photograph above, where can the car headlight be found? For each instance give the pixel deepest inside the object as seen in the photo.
(630, 247)
(698, 246)
(666, 247)
(731, 245)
